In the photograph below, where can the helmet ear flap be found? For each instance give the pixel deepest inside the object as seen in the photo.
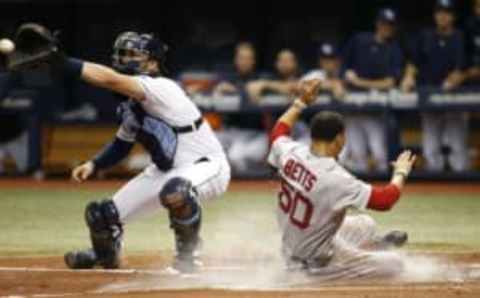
(158, 51)
(145, 43)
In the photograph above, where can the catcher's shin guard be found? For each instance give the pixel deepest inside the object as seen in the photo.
(178, 197)
(187, 240)
(105, 232)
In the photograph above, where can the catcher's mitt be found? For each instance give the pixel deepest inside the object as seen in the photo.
(35, 46)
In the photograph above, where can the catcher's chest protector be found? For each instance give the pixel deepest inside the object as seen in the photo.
(155, 135)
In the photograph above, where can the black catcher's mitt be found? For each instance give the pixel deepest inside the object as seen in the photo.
(35, 46)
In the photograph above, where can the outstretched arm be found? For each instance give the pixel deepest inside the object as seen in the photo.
(309, 91)
(105, 77)
(381, 84)
(384, 198)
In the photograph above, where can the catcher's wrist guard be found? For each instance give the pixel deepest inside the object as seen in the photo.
(73, 67)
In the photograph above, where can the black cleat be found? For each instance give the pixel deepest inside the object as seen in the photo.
(82, 259)
(393, 239)
(110, 262)
(396, 238)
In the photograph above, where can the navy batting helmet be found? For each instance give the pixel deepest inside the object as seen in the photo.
(131, 49)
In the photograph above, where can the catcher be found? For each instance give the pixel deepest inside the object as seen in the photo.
(188, 163)
(316, 193)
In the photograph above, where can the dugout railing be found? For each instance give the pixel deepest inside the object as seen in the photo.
(394, 106)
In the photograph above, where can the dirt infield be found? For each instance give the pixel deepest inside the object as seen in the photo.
(47, 277)
(442, 275)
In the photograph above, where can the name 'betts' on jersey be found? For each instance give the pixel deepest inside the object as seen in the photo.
(314, 197)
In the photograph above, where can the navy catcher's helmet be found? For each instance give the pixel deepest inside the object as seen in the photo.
(129, 45)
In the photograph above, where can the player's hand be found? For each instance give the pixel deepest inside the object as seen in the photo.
(255, 89)
(453, 81)
(448, 85)
(83, 171)
(407, 84)
(351, 76)
(309, 90)
(224, 88)
(404, 163)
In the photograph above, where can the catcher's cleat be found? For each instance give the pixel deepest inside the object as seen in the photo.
(186, 264)
(187, 247)
(82, 259)
(111, 261)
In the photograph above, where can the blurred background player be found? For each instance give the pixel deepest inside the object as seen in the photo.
(372, 61)
(472, 43)
(244, 71)
(287, 71)
(243, 135)
(439, 61)
(316, 194)
(14, 136)
(284, 82)
(328, 70)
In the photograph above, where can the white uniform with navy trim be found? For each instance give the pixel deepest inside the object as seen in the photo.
(315, 195)
(165, 100)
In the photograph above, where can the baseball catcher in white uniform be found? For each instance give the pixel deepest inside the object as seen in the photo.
(316, 192)
(188, 163)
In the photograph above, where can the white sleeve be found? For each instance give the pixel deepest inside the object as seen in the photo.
(280, 147)
(352, 193)
(159, 90)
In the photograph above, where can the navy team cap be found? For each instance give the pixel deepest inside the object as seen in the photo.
(327, 50)
(447, 5)
(387, 15)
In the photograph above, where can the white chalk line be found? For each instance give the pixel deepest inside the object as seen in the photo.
(166, 271)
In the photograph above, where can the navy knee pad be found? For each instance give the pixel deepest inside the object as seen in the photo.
(179, 197)
(101, 215)
(178, 194)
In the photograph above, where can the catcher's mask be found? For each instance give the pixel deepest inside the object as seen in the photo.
(132, 51)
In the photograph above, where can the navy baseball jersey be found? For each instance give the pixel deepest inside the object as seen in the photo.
(371, 59)
(472, 40)
(437, 55)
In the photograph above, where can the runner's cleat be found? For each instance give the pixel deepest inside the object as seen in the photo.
(395, 238)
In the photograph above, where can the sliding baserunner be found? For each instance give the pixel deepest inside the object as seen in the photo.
(316, 193)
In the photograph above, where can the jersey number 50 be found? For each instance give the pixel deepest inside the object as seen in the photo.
(298, 207)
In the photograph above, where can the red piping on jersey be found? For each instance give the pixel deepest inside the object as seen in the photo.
(383, 198)
(279, 130)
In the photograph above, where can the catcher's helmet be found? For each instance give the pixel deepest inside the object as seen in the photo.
(133, 42)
